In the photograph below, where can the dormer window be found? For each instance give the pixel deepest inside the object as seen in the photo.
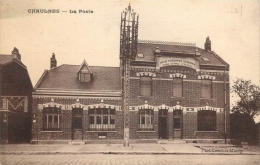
(84, 73)
(84, 77)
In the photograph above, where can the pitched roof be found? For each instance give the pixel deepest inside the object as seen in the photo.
(147, 49)
(66, 77)
(4, 59)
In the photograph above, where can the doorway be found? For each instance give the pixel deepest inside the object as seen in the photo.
(77, 114)
(163, 126)
(177, 124)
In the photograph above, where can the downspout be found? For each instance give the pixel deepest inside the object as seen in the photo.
(225, 105)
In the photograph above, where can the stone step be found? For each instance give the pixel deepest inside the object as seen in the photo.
(178, 141)
(77, 143)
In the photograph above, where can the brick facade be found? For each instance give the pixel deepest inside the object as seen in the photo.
(162, 93)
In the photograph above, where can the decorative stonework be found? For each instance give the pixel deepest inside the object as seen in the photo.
(177, 75)
(50, 104)
(77, 105)
(163, 106)
(146, 74)
(206, 77)
(145, 106)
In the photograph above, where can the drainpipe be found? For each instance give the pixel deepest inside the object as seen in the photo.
(225, 105)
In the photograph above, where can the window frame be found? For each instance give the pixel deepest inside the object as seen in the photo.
(141, 85)
(148, 116)
(208, 93)
(50, 114)
(206, 122)
(84, 76)
(173, 87)
(96, 115)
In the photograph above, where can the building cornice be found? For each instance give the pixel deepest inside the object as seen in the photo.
(56, 92)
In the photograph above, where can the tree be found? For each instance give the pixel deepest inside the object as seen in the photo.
(243, 128)
(249, 94)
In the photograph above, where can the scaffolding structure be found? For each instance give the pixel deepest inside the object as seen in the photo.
(128, 52)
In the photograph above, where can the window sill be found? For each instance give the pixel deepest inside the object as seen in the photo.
(145, 97)
(205, 131)
(174, 97)
(51, 131)
(145, 131)
(206, 98)
(101, 131)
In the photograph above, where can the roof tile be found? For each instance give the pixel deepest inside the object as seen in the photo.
(66, 77)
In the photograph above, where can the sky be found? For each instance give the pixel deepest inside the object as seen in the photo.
(232, 25)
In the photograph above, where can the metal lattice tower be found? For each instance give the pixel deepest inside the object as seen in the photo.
(128, 52)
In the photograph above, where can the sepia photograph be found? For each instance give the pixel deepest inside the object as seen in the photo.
(129, 82)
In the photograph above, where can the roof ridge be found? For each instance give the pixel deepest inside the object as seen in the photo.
(6, 55)
(56, 67)
(106, 66)
(89, 66)
(167, 43)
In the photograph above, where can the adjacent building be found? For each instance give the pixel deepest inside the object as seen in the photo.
(15, 92)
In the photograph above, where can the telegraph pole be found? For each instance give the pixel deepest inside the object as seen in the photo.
(128, 52)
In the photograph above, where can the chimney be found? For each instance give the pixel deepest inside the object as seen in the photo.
(207, 44)
(16, 54)
(53, 61)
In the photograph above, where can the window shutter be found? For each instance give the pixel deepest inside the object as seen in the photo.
(206, 89)
(145, 86)
(177, 87)
(206, 120)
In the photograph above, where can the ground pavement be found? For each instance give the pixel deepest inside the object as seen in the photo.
(120, 159)
(136, 148)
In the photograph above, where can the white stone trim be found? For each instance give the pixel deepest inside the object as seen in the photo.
(50, 104)
(206, 77)
(163, 106)
(178, 75)
(151, 74)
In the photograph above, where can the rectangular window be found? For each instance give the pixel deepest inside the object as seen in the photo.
(84, 77)
(206, 120)
(51, 118)
(177, 123)
(77, 123)
(91, 120)
(146, 119)
(101, 119)
(146, 86)
(177, 87)
(206, 87)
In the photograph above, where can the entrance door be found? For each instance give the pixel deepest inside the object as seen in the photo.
(77, 114)
(163, 127)
(177, 124)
